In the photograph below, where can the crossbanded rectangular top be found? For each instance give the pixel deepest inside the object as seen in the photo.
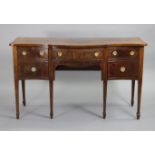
(79, 41)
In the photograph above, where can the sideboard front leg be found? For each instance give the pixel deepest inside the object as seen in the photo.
(23, 92)
(17, 98)
(132, 92)
(51, 98)
(140, 78)
(139, 98)
(105, 80)
(104, 98)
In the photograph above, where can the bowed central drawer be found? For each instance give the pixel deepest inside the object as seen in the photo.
(78, 54)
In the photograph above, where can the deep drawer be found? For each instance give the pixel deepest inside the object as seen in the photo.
(33, 71)
(122, 70)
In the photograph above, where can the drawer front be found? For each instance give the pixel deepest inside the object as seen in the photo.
(34, 54)
(122, 70)
(82, 54)
(33, 71)
(123, 52)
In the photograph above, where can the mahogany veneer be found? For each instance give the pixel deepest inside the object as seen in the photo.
(117, 58)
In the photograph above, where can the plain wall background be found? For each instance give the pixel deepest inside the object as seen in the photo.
(76, 89)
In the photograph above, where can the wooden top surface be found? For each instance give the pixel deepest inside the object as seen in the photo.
(79, 41)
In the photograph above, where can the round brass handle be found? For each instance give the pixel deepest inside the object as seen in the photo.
(96, 54)
(33, 69)
(24, 53)
(59, 53)
(114, 53)
(132, 53)
(122, 69)
(42, 53)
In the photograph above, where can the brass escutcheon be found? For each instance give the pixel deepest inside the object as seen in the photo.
(122, 69)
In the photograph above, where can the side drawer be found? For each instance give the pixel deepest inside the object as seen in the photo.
(34, 53)
(123, 70)
(123, 52)
(33, 70)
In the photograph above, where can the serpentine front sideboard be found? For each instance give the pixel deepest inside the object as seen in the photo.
(117, 58)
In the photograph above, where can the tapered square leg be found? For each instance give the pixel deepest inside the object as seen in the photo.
(104, 98)
(132, 92)
(140, 78)
(17, 98)
(23, 92)
(51, 98)
(139, 98)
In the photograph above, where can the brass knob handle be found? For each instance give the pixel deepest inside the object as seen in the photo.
(59, 53)
(24, 53)
(122, 69)
(114, 53)
(42, 53)
(132, 53)
(96, 54)
(33, 69)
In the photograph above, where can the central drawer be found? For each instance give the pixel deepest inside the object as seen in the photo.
(78, 54)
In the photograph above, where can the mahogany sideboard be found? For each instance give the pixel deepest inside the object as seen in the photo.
(116, 58)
